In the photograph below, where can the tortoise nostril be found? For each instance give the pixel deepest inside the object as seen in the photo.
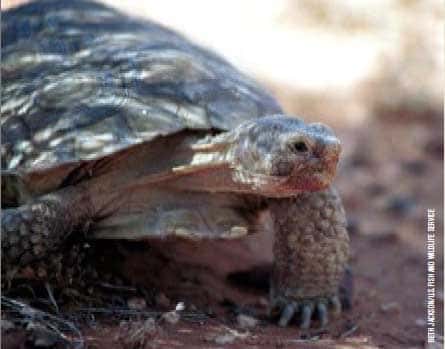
(300, 147)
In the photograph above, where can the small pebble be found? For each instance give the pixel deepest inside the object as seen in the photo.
(224, 339)
(420, 322)
(171, 317)
(136, 303)
(246, 321)
(180, 306)
(393, 307)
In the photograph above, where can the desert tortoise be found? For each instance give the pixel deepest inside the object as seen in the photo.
(122, 129)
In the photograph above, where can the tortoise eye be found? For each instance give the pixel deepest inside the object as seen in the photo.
(299, 147)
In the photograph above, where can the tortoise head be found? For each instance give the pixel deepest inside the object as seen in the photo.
(281, 156)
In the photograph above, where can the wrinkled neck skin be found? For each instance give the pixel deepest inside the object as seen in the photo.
(214, 167)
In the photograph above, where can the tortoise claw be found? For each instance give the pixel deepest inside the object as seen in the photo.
(287, 314)
(305, 311)
(306, 315)
(322, 314)
(336, 305)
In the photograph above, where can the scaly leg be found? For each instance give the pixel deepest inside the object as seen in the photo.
(311, 250)
(32, 230)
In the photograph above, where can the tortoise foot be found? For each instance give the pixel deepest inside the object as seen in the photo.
(305, 310)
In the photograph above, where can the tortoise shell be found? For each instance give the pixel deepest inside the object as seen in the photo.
(82, 81)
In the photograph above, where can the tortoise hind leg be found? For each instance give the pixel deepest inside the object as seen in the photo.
(32, 230)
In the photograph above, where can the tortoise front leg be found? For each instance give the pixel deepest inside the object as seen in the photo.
(32, 230)
(310, 255)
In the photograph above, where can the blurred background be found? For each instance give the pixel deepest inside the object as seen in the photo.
(341, 58)
(372, 70)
